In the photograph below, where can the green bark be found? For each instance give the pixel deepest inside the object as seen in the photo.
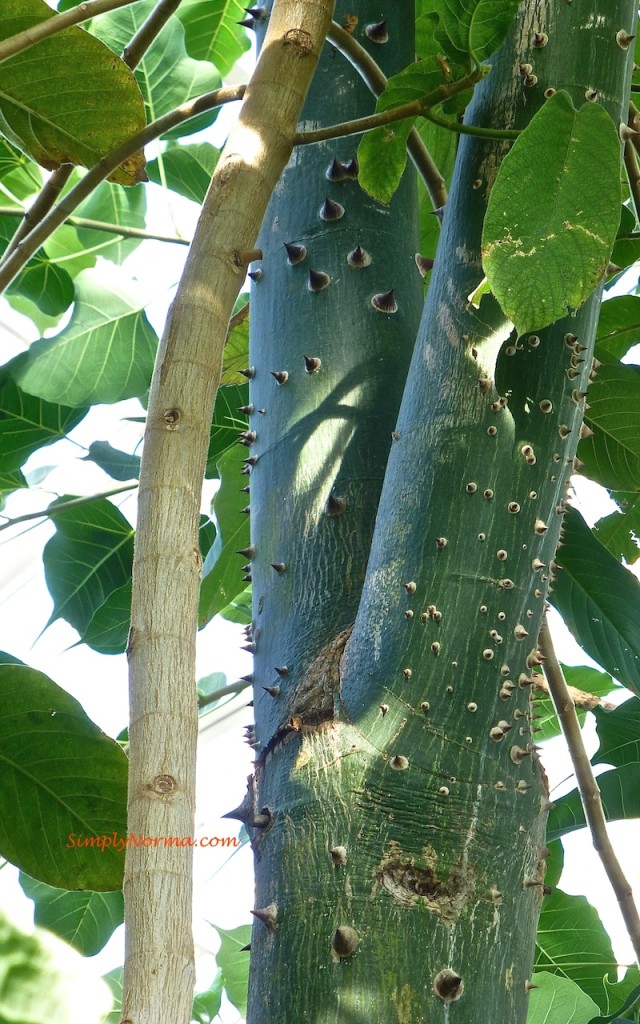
(400, 870)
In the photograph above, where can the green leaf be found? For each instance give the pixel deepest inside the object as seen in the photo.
(221, 575)
(623, 995)
(69, 99)
(206, 1005)
(612, 455)
(104, 355)
(187, 169)
(600, 601)
(89, 556)
(49, 287)
(549, 227)
(619, 734)
(234, 964)
(108, 630)
(111, 204)
(474, 27)
(225, 424)
(619, 324)
(620, 795)
(618, 531)
(240, 609)
(382, 153)
(588, 680)
(236, 352)
(572, 943)
(212, 31)
(86, 920)
(115, 981)
(20, 178)
(161, 91)
(28, 423)
(556, 1000)
(68, 781)
(117, 464)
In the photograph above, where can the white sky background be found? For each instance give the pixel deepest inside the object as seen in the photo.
(100, 683)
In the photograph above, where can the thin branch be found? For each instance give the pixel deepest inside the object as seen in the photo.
(148, 31)
(43, 29)
(11, 266)
(470, 129)
(414, 108)
(588, 787)
(224, 691)
(582, 699)
(376, 81)
(53, 510)
(43, 202)
(101, 225)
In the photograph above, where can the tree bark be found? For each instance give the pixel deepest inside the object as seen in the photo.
(163, 728)
(400, 862)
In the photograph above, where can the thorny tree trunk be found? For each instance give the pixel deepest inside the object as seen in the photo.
(401, 856)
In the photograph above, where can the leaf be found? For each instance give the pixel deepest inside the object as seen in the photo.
(86, 920)
(222, 576)
(68, 99)
(572, 943)
(110, 204)
(612, 455)
(20, 177)
(87, 559)
(28, 423)
(240, 609)
(619, 326)
(619, 734)
(549, 227)
(213, 32)
(556, 1000)
(104, 355)
(620, 530)
(234, 964)
(68, 780)
(225, 424)
(115, 981)
(600, 601)
(49, 287)
(187, 169)
(206, 1005)
(382, 153)
(117, 464)
(474, 27)
(161, 91)
(627, 990)
(236, 353)
(589, 680)
(620, 795)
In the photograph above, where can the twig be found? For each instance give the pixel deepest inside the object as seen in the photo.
(63, 506)
(101, 225)
(471, 129)
(50, 26)
(588, 787)
(148, 31)
(582, 699)
(374, 78)
(414, 108)
(11, 266)
(40, 207)
(224, 691)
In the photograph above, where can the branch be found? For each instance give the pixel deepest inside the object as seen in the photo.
(414, 108)
(148, 31)
(587, 786)
(12, 265)
(470, 129)
(53, 510)
(40, 206)
(43, 29)
(166, 572)
(101, 225)
(374, 78)
(224, 691)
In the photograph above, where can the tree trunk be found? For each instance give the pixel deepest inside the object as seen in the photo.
(400, 855)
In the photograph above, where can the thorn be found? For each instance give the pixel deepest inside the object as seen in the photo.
(247, 437)
(279, 567)
(273, 691)
(378, 32)
(250, 648)
(337, 171)
(358, 257)
(246, 510)
(246, 409)
(295, 253)
(246, 949)
(312, 364)
(335, 505)
(249, 372)
(423, 264)
(247, 23)
(255, 275)
(318, 281)
(282, 670)
(330, 210)
(385, 302)
(249, 552)
(268, 916)
(281, 376)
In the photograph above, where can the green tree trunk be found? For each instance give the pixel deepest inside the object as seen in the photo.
(400, 862)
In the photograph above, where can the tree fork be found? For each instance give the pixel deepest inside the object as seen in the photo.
(161, 650)
(403, 857)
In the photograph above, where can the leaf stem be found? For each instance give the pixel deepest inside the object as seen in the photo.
(587, 786)
(101, 225)
(142, 40)
(53, 510)
(224, 691)
(376, 81)
(469, 129)
(12, 265)
(56, 23)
